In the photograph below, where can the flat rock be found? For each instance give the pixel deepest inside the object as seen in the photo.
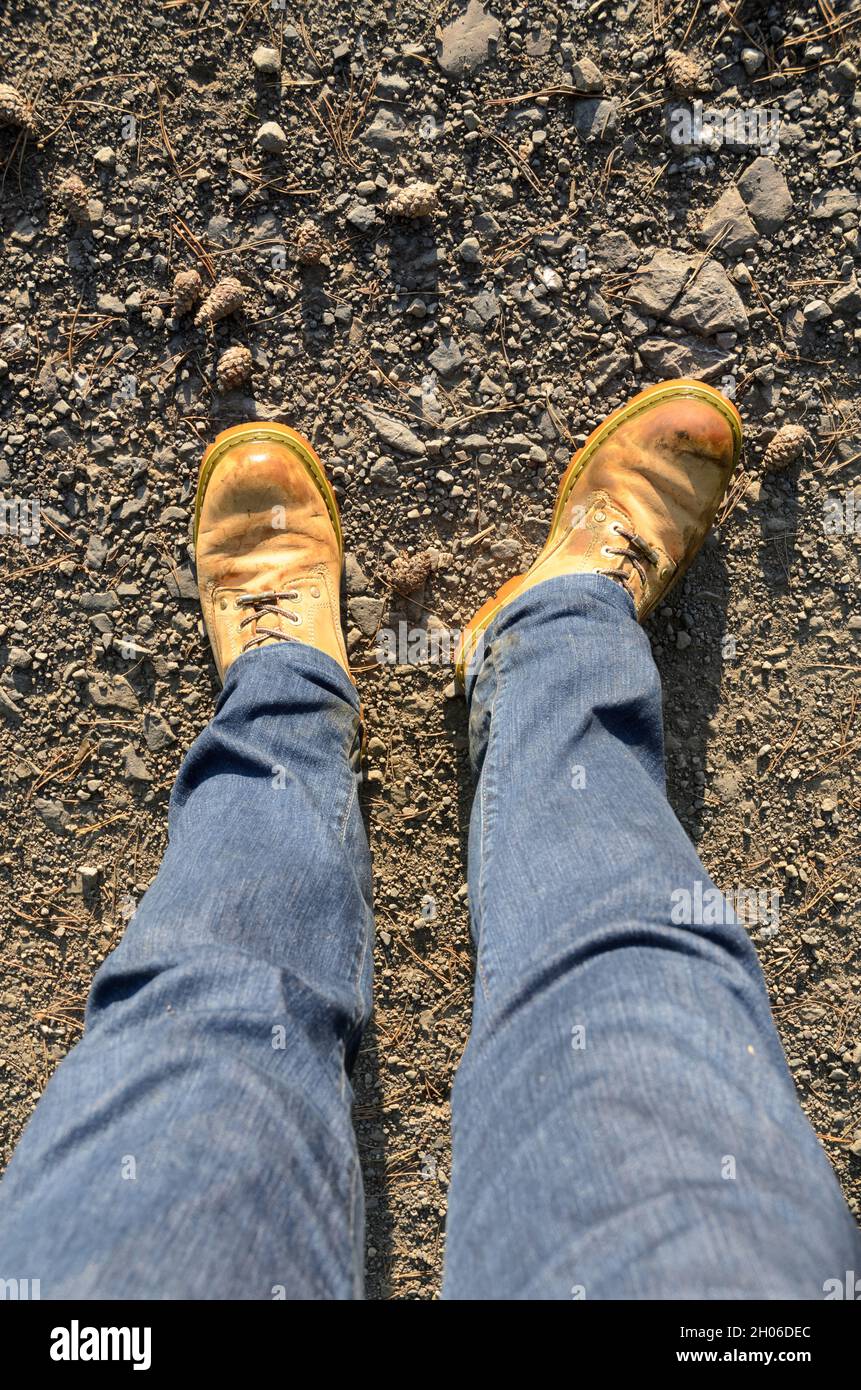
(181, 582)
(596, 118)
(766, 193)
(355, 579)
(465, 44)
(728, 220)
(53, 813)
(113, 694)
(362, 217)
(386, 131)
(833, 203)
(705, 302)
(846, 300)
(687, 357)
(134, 767)
(103, 602)
(396, 434)
(446, 359)
(481, 310)
(615, 251)
(157, 733)
(110, 304)
(9, 709)
(366, 613)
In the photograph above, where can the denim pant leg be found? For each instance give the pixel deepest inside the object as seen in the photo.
(197, 1143)
(625, 1125)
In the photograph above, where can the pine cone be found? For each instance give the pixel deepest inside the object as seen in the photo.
(227, 297)
(309, 244)
(685, 75)
(187, 291)
(74, 199)
(233, 368)
(416, 200)
(787, 445)
(15, 109)
(409, 572)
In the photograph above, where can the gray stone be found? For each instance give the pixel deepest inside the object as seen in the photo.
(517, 444)
(362, 217)
(752, 60)
(385, 472)
(272, 138)
(728, 221)
(396, 434)
(816, 310)
(446, 359)
(220, 230)
(689, 291)
(181, 582)
(586, 76)
(99, 603)
(847, 300)
(482, 310)
(605, 367)
(9, 709)
(597, 308)
(113, 694)
(596, 118)
(469, 251)
(58, 438)
(110, 304)
(392, 87)
(266, 60)
(135, 769)
(53, 813)
(833, 203)
(386, 131)
(157, 733)
(465, 44)
(615, 251)
(366, 613)
(688, 357)
(551, 279)
(766, 193)
(355, 579)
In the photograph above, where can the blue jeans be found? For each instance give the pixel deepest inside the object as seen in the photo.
(624, 1122)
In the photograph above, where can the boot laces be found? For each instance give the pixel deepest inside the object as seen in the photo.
(637, 553)
(263, 603)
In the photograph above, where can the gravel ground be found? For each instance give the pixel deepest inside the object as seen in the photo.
(580, 237)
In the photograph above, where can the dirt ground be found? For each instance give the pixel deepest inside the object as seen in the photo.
(583, 242)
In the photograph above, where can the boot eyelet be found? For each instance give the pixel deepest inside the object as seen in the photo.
(600, 516)
(222, 603)
(295, 619)
(315, 593)
(605, 550)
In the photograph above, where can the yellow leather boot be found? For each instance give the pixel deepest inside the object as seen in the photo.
(268, 544)
(637, 501)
